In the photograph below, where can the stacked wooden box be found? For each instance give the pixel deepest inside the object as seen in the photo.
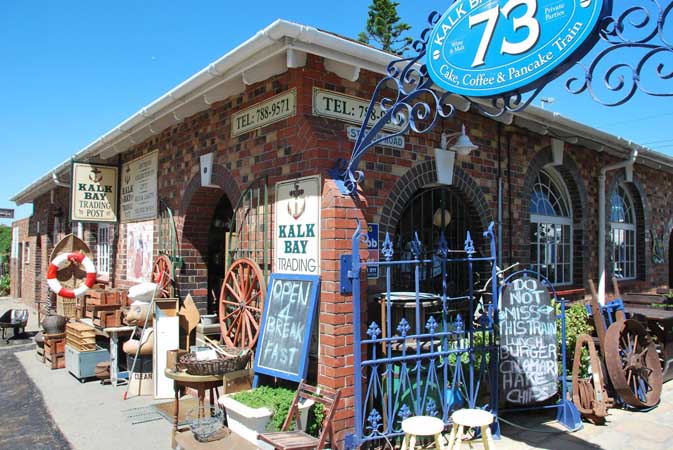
(54, 350)
(81, 337)
(103, 306)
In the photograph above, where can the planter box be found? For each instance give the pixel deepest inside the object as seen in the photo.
(249, 422)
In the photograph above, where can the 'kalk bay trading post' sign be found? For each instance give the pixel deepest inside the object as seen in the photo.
(484, 48)
(297, 230)
(93, 193)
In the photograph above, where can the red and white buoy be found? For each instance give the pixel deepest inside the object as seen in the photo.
(59, 263)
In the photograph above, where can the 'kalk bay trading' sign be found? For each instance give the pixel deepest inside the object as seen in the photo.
(485, 48)
(297, 230)
(93, 193)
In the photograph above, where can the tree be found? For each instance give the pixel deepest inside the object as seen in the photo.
(385, 29)
(5, 239)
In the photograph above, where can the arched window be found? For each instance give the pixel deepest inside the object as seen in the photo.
(551, 228)
(427, 214)
(623, 234)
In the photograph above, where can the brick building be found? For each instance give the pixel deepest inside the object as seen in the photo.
(548, 168)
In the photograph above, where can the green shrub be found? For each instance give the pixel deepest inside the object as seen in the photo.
(4, 285)
(577, 323)
(279, 400)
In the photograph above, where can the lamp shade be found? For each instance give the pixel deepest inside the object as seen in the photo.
(463, 145)
(441, 217)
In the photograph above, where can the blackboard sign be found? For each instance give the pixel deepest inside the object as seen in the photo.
(528, 348)
(282, 349)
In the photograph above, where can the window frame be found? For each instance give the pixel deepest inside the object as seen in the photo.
(557, 221)
(103, 247)
(626, 227)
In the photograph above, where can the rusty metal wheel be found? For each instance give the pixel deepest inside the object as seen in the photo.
(241, 304)
(633, 364)
(162, 274)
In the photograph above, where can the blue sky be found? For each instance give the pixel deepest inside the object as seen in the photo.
(71, 71)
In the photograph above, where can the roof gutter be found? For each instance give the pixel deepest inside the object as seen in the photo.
(287, 35)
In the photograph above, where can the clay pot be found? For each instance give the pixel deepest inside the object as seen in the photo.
(54, 324)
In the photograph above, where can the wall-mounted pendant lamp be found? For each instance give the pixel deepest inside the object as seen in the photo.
(445, 159)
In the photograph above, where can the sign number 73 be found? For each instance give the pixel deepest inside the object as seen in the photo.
(491, 16)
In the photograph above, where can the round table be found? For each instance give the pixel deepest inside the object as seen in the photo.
(200, 383)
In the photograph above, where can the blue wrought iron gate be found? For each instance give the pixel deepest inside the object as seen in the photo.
(434, 362)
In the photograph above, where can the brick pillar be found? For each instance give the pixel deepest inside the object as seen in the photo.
(335, 365)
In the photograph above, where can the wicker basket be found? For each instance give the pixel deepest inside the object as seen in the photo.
(219, 366)
(66, 307)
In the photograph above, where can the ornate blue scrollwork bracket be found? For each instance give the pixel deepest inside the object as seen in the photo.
(409, 100)
(636, 30)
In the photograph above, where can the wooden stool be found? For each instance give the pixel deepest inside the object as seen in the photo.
(471, 418)
(421, 426)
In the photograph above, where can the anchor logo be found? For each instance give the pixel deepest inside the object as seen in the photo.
(299, 208)
(96, 175)
(127, 176)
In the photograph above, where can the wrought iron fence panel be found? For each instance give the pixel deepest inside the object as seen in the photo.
(428, 364)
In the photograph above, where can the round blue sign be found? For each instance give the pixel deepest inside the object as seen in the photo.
(483, 48)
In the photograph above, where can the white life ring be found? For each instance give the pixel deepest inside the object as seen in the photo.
(59, 263)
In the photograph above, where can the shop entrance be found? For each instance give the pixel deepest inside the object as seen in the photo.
(670, 261)
(202, 246)
(428, 213)
(217, 248)
(19, 270)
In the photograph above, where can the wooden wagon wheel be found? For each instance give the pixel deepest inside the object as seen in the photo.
(162, 274)
(241, 304)
(633, 363)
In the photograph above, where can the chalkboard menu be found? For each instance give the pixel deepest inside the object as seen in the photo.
(282, 349)
(528, 348)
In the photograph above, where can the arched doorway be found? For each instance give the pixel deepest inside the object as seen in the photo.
(670, 260)
(217, 250)
(427, 214)
(202, 246)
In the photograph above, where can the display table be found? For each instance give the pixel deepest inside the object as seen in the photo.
(114, 333)
(197, 382)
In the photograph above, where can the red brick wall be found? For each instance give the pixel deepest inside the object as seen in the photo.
(306, 145)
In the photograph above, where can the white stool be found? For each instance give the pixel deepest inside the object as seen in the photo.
(471, 418)
(421, 426)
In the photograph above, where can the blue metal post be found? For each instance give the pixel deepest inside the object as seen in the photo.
(357, 337)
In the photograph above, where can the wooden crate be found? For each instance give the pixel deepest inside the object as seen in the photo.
(93, 311)
(82, 345)
(83, 364)
(66, 307)
(80, 330)
(54, 343)
(56, 361)
(103, 297)
(108, 319)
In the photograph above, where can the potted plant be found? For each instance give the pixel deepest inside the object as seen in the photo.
(264, 409)
(577, 323)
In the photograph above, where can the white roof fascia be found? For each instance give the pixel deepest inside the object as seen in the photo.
(277, 37)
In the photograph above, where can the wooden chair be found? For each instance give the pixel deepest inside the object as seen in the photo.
(299, 440)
